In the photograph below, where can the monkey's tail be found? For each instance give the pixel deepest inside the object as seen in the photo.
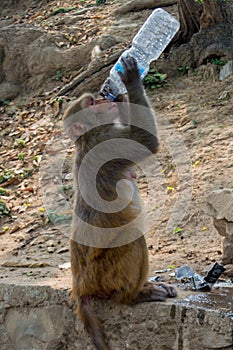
(91, 323)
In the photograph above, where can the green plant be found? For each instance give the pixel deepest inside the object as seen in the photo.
(64, 188)
(36, 157)
(217, 61)
(58, 100)
(154, 80)
(20, 143)
(3, 209)
(4, 102)
(58, 75)
(6, 175)
(63, 10)
(26, 173)
(176, 230)
(184, 69)
(58, 218)
(99, 2)
(21, 156)
(2, 191)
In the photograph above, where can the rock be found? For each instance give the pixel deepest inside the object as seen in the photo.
(29, 57)
(6, 22)
(220, 207)
(50, 243)
(229, 270)
(220, 204)
(69, 176)
(32, 329)
(38, 240)
(226, 71)
(227, 247)
(8, 90)
(106, 41)
(65, 266)
(51, 249)
(151, 325)
(103, 43)
(224, 227)
(63, 250)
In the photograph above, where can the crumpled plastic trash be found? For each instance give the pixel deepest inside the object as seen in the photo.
(200, 283)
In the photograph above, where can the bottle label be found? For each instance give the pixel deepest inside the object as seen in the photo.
(119, 68)
(111, 97)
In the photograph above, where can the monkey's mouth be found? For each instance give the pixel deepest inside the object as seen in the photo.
(113, 106)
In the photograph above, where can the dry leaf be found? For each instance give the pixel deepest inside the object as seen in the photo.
(14, 228)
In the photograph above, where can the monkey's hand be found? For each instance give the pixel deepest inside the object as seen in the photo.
(131, 76)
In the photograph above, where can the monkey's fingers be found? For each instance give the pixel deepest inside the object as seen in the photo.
(151, 293)
(131, 75)
(129, 64)
(171, 292)
(133, 63)
(121, 76)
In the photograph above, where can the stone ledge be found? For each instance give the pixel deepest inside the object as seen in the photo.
(42, 318)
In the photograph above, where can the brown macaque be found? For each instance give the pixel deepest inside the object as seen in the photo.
(114, 270)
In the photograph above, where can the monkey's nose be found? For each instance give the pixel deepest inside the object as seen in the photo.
(113, 105)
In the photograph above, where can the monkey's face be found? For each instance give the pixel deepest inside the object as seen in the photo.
(86, 113)
(104, 109)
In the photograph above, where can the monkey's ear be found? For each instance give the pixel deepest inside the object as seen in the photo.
(76, 130)
(87, 101)
(79, 123)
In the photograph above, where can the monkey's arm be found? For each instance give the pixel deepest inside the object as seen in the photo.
(142, 120)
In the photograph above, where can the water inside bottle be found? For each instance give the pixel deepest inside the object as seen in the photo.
(119, 68)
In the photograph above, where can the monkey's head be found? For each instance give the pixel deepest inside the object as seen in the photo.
(86, 113)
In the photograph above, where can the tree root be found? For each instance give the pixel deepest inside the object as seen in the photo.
(138, 5)
(88, 77)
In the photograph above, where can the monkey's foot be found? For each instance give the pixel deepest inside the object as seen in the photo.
(171, 292)
(152, 292)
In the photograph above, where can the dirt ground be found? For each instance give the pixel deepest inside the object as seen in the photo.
(195, 108)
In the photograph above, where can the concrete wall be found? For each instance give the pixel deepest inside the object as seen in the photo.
(42, 318)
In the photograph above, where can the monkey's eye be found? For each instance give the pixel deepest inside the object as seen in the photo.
(92, 102)
(88, 102)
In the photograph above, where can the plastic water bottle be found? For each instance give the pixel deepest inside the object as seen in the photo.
(147, 46)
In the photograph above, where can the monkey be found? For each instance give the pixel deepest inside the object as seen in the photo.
(117, 271)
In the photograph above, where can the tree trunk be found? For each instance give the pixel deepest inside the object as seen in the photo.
(216, 12)
(189, 14)
(206, 32)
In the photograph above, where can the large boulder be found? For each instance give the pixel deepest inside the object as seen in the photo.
(220, 206)
(30, 59)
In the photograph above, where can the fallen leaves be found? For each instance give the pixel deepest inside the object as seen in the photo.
(26, 131)
(196, 163)
(14, 228)
(4, 230)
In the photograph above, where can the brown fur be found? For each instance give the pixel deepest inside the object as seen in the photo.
(119, 273)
